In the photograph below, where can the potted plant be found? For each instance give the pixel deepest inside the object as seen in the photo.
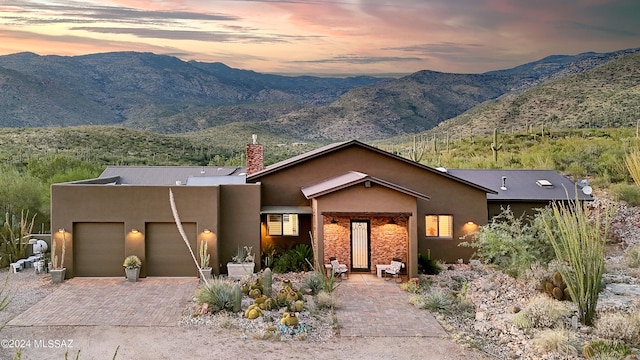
(241, 264)
(58, 270)
(205, 269)
(132, 266)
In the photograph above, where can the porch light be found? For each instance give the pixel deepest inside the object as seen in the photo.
(206, 231)
(470, 223)
(334, 221)
(134, 230)
(61, 230)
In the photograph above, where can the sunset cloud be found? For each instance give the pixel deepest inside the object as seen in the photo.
(330, 36)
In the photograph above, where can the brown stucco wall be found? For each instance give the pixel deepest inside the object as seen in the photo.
(239, 222)
(448, 196)
(135, 206)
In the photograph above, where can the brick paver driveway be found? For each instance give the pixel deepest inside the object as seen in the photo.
(370, 306)
(112, 301)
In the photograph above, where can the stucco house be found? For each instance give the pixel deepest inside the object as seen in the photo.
(349, 200)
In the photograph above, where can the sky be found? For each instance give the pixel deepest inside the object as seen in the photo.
(325, 36)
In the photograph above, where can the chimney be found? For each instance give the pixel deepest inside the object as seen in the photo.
(255, 156)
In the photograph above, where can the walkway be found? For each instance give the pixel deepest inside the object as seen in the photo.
(370, 306)
(112, 301)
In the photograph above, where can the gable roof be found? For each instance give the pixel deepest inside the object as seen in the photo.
(342, 145)
(170, 175)
(353, 178)
(523, 184)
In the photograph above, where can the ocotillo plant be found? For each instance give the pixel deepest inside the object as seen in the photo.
(495, 147)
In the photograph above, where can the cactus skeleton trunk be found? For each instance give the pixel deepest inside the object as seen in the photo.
(176, 217)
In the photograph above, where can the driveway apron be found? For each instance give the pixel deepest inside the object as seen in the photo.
(370, 306)
(112, 301)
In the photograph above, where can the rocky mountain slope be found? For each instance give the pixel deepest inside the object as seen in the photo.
(605, 96)
(167, 95)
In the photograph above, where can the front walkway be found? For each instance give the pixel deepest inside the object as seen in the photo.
(112, 301)
(370, 306)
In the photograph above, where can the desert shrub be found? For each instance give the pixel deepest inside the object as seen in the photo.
(325, 300)
(606, 349)
(579, 240)
(414, 287)
(627, 193)
(218, 293)
(560, 341)
(511, 243)
(314, 281)
(541, 312)
(438, 300)
(618, 326)
(632, 256)
(427, 266)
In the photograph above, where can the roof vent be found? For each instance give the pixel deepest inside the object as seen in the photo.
(504, 183)
(543, 183)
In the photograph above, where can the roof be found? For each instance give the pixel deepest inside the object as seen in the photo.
(349, 179)
(523, 185)
(342, 145)
(172, 175)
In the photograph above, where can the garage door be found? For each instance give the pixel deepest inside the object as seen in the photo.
(98, 249)
(166, 252)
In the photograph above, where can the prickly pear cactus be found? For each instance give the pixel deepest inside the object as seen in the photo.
(267, 282)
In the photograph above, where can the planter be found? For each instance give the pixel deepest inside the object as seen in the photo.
(132, 274)
(237, 271)
(57, 275)
(206, 272)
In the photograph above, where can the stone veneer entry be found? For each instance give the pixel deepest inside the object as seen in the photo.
(387, 241)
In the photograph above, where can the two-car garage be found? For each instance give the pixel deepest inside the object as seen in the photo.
(99, 249)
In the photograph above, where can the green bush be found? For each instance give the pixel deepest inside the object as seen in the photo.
(512, 244)
(627, 193)
(299, 258)
(427, 266)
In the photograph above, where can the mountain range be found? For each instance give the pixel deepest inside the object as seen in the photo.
(164, 94)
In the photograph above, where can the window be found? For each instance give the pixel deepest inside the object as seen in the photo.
(439, 226)
(282, 224)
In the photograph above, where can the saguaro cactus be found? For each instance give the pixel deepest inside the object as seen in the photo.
(495, 147)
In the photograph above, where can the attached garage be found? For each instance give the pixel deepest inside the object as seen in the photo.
(166, 252)
(98, 249)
